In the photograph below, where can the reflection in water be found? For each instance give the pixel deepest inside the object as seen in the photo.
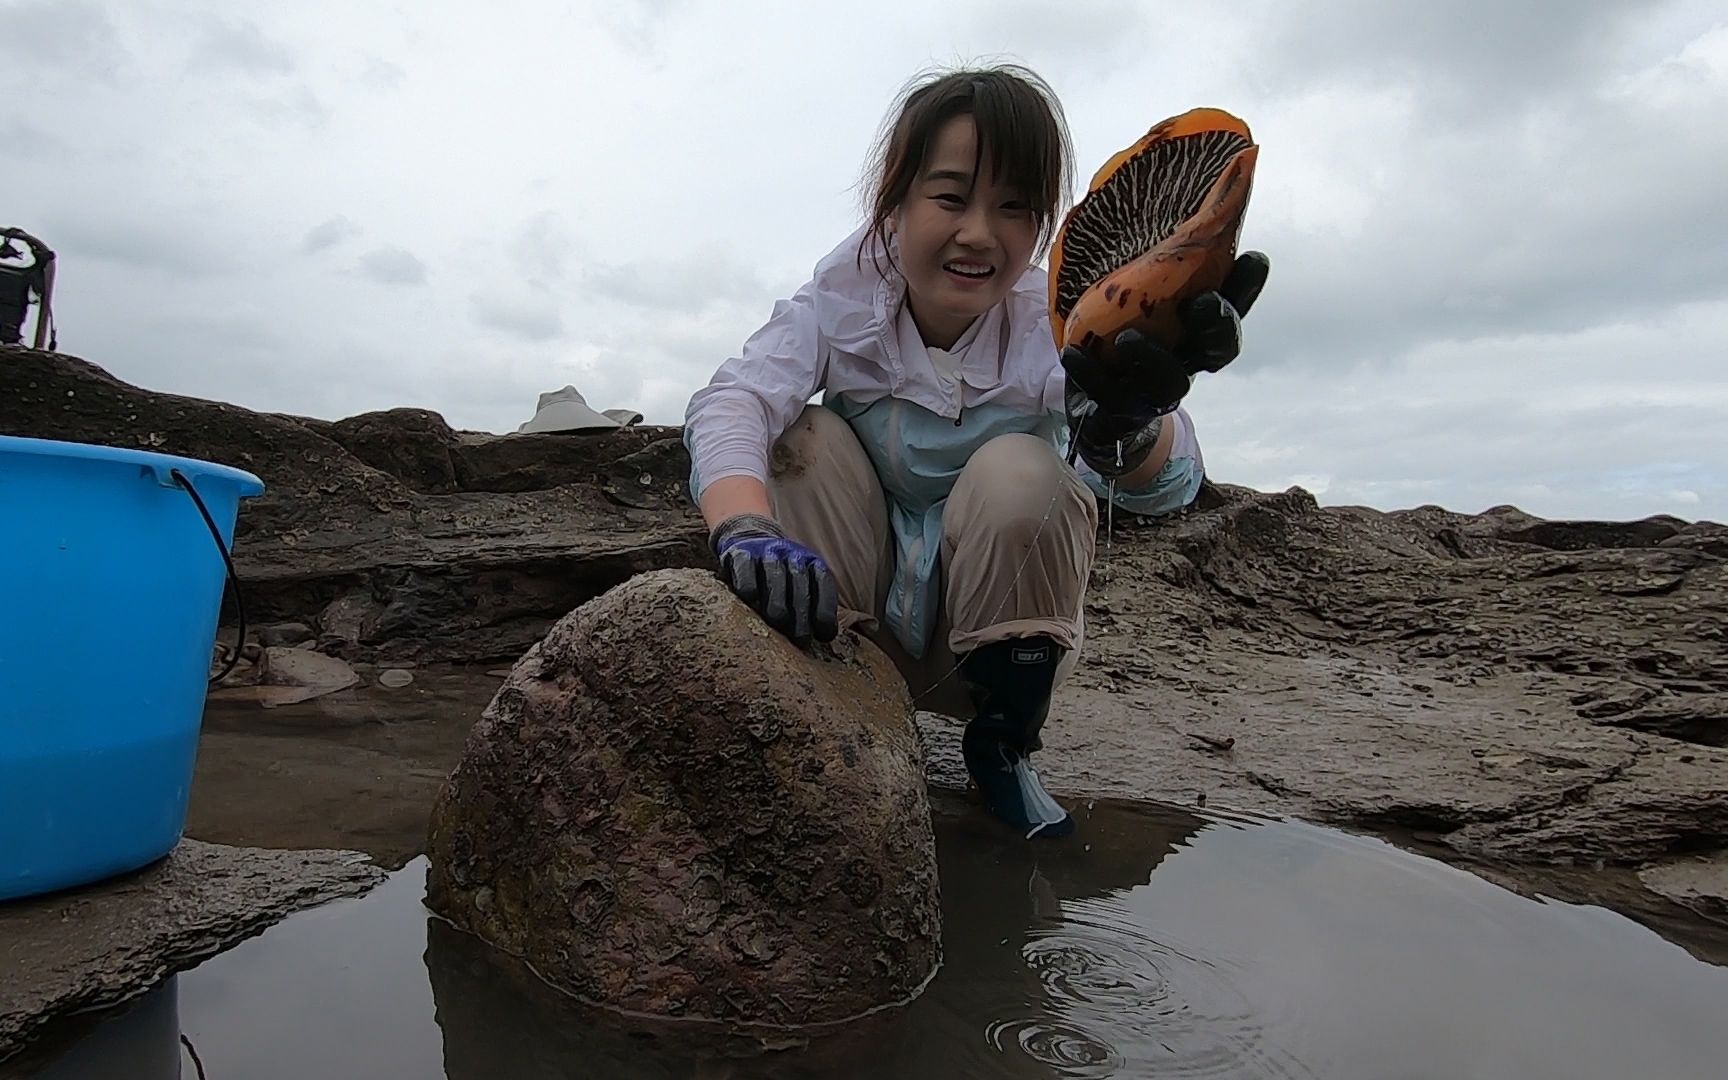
(1048, 974)
(1156, 943)
(140, 1042)
(1116, 995)
(992, 1008)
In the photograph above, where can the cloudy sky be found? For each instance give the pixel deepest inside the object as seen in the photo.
(1499, 242)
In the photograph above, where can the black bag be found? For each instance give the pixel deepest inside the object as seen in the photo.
(17, 283)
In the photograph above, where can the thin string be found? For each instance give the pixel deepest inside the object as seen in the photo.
(1009, 591)
(1019, 571)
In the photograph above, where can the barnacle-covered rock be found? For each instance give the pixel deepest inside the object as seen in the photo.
(670, 809)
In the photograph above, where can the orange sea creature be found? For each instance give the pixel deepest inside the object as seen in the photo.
(1158, 225)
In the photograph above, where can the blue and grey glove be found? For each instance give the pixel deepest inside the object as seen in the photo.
(783, 581)
(1116, 407)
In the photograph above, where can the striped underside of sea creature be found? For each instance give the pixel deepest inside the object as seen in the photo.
(1158, 225)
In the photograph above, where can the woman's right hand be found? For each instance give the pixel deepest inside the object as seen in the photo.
(783, 581)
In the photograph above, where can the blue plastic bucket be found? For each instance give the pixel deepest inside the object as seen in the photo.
(110, 590)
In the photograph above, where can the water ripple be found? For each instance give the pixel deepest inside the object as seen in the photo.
(1069, 1050)
(1122, 1001)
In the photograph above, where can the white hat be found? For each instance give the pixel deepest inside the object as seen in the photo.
(567, 410)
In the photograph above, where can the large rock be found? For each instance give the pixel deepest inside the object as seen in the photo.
(668, 808)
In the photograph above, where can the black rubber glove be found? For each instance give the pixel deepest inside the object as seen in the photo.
(1118, 405)
(786, 583)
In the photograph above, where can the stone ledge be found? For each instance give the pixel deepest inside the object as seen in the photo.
(104, 944)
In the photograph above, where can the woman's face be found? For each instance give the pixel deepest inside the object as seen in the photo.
(964, 241)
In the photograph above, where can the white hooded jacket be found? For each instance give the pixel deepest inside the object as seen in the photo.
(919, 413)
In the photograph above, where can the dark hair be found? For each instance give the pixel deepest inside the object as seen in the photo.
(1021, 128)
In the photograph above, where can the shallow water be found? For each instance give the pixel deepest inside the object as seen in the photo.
(1159, 943)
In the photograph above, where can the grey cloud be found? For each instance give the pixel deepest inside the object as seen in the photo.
(381, 74)
(526, 319)
(652, 373)
(224, 331)
(1495, 204)
(541, 246)
(1404, 439)
(298, 107)
(162, 244)
(23, 137)
(239, 46)
(687, 347)
(205, 341)
(1561, 426)
(637, 23)
(655, 365)
(1493, 232)
(684, 285)
(63, 35)
(1464, 54)
(1083, 30)
(241, 339)
(393, 266)
(327, 234)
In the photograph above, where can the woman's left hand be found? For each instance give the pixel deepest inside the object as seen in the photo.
(1115, 405)
(1212, 321)
(1144, 380)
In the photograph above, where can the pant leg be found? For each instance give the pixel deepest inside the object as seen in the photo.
(1020, 534)
(825, 494)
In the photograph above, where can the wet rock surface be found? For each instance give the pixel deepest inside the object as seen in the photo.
(1505, 686)
(276, 675)
(668, 808)
(1419, 671)
(1699, 883)
(101, 945)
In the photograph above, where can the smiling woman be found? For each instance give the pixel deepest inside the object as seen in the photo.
(998, 147)
(926, 501)
(960, 235)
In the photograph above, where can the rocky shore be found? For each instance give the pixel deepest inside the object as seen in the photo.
(1506, 690)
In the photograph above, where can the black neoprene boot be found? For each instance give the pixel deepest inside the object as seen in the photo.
(1012, 682)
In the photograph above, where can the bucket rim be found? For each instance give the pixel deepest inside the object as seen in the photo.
(194, 468)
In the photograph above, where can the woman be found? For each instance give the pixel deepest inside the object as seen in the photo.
(927, 501)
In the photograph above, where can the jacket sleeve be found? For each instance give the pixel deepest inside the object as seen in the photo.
(1177, 483)
(732, 423)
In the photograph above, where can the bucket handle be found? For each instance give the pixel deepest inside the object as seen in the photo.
(193, 1050)
(228, 561)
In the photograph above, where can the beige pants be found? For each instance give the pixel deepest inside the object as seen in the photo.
(1019, 533)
